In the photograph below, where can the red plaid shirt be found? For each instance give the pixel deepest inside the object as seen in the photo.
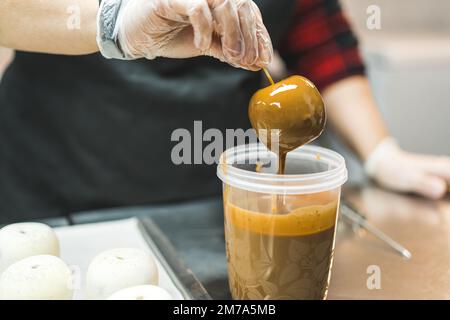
(320, 44)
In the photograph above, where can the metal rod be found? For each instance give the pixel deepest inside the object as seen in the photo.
(355, 217)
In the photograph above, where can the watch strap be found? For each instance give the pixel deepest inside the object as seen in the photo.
(106, 29)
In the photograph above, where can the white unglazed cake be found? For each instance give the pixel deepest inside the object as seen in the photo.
(42, 277)
(147, 292)
(23, 240)
(117, 269)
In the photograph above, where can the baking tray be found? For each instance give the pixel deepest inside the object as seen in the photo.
(81, 243)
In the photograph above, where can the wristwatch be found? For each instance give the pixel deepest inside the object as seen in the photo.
(106, 29)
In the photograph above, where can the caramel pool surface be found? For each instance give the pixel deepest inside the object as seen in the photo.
(299, 222)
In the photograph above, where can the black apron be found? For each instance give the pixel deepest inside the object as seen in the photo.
(81, 133)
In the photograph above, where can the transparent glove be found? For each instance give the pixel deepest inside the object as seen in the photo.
(401, 171)
(229, 30)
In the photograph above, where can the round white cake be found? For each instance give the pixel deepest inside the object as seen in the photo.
(41, 277)
(147, 292)
(22, 240)
(118, 269)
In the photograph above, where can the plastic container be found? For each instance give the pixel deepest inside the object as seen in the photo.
(280, 229)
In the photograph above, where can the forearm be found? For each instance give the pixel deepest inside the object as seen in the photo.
(49, 26)
(353, 113)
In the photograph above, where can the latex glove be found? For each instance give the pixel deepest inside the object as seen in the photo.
(229, 30)
(398, 170)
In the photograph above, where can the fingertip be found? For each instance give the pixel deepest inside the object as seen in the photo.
(265, 60)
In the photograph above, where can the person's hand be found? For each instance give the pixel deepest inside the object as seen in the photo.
(229, 30)
(401, 171)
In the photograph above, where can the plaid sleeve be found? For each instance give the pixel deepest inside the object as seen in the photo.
(320, 44)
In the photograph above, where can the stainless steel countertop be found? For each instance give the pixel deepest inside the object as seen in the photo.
(422, 226)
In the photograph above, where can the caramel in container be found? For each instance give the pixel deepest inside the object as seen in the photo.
(280, 229)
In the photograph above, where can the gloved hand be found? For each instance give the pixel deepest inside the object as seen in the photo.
(229, 30)
(398, 170)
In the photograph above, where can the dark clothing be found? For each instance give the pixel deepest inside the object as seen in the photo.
(80, 133)
(320, 43)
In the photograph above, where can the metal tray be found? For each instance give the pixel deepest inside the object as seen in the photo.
(81, 243)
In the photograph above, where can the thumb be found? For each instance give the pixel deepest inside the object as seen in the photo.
(430, 186)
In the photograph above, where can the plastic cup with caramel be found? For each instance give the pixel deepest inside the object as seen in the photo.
(280, 229)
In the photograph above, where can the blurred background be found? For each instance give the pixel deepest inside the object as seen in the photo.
(408, 62)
